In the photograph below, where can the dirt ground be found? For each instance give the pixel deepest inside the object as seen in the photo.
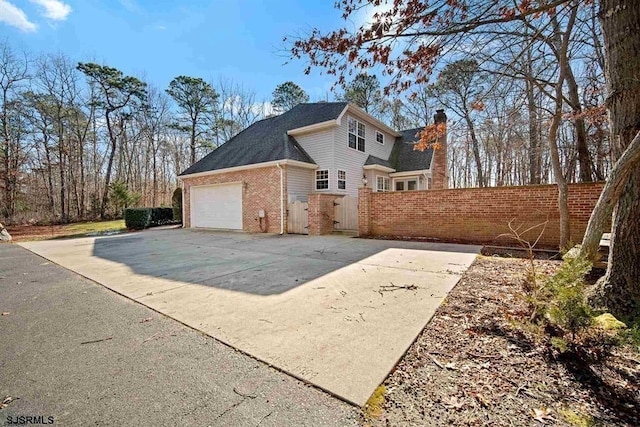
(471, 366)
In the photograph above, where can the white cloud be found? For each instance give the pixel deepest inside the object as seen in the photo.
(131, 5)
(54, 9)
(14, 16)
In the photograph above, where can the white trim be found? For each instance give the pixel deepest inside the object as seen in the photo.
(383, 177)
(409, 173)
(379, 168)
(379, 133)
(184, 190)
(314, 127)
(368, 117)
(338, 180)
(281, 198)
(315, 186)
(251, 166)
(218, 184)
(406, 180)
(357, 134)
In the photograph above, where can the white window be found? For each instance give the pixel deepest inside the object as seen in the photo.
(380, 137)
(342, 180)
(407, 185)
(322, 179)
(382, 183)
(356, 134)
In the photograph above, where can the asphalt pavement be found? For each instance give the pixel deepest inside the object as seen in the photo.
(75, 353)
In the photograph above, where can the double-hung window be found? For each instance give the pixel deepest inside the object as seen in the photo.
(382, 184)
(380, 137)
(356, 134)
(342, 180)
(322, 179)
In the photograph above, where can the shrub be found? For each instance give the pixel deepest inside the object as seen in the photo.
(137, 218)
(140, 218)
(161, 216)
(176, 203)
(564, 298)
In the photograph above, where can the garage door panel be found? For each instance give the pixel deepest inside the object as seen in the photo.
(217, 206)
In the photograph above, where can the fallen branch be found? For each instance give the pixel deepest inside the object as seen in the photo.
(483, 356)
(440, 365)
(392, 287)
(96, 341)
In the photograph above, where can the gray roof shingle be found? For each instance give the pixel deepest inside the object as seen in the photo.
(404, 158)
(373, 160)
(267, 140)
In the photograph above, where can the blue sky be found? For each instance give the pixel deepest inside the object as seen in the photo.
(161, 39)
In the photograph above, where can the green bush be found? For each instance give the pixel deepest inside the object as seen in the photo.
(564, 298)
(161, 216)
(140, 218)
(137, 218)
(176, 203)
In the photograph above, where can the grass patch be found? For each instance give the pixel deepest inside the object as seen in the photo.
(576, 419)
(94, 227)
(373, 407)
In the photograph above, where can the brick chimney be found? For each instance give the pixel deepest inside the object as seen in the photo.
(440, 172)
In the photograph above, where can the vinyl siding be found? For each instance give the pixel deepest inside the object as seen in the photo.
(320, 146)
(300, 183)
(351, 160)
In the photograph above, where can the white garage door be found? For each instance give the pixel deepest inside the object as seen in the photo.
(217, 206)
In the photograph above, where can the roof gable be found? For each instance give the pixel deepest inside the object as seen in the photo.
(267, 140)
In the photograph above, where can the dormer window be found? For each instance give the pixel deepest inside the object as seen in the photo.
(380, 137)
(356, 134)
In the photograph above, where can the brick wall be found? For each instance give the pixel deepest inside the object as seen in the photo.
(261, 190)
(321, 213)
(477, 215)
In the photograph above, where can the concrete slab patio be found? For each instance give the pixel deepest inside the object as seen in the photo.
(316, 307)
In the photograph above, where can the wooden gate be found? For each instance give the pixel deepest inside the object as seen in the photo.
(346, 213)
(298, 217)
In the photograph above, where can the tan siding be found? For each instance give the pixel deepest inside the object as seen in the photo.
(300, 182)
(319, 145)
(352, 160)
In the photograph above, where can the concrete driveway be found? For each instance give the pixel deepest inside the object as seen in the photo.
(335, 311)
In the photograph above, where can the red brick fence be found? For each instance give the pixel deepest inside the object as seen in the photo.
(477, 215)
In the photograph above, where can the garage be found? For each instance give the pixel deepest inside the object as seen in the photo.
(217, 206)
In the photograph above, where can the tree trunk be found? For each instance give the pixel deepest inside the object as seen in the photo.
(476, 150)
(619, 290)
(534, 143)
(107, 177)
(584, 157)
(611, 192)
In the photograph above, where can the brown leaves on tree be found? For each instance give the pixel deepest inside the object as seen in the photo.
(430, 136)
(416, 31)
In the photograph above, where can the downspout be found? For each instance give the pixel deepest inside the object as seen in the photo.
(281, 198)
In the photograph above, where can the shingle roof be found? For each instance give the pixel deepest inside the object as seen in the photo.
(267, 140)
(373, 160)
(404, 158)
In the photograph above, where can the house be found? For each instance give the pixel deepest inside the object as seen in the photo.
(330, 148)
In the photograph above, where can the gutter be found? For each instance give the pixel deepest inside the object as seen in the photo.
(281, 198)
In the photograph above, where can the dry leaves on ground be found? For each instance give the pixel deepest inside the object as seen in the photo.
(472, 366)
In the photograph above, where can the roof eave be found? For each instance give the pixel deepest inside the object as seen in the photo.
(380, 168)
(314, 127)
(354, 109)
(287, 162)
(410, 173)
